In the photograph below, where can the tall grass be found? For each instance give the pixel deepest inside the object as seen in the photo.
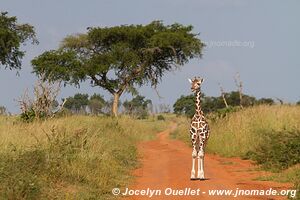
(269, 135)
(182, 131)
(77, 157)
(243, 131)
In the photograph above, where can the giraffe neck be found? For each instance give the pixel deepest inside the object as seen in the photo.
(198, 103)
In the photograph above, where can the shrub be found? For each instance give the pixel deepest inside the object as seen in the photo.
(142, 114)
(279, 150)
(223, 112)
(28, 115)
(42, 104)
(160, 117)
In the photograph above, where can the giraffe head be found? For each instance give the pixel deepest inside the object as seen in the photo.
(196, 83)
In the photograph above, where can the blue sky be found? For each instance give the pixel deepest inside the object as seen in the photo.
(258, 39)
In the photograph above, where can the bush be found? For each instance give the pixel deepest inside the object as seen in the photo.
(141, 114)
(280, 150)
(160, 117)
(223, 112)
(28, 115)
(42, 104)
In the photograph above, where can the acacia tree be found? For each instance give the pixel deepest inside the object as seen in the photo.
(138, 106)
(77, 103)
(12, 35)
(120, 58)
(96, 104)
(185, 105)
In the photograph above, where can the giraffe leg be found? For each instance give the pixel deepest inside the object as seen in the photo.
(200, 164)
(193, 174)
(194, 155)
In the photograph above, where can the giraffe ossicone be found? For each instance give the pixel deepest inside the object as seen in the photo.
(199, 131)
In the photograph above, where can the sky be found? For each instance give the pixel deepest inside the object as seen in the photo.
(257, 39)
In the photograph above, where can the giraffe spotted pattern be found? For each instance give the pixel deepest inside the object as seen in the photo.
(199, 131)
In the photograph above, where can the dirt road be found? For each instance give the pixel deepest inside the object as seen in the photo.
(166, 163)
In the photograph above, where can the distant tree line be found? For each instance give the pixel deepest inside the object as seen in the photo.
(185, 105)
(138, 106)
(82, 103)
(3, 110)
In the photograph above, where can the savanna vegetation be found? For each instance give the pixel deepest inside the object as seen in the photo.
(266, 134)
(74, 150)
(47, 152)
(75, 157)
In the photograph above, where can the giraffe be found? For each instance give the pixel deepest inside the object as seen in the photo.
(199, 131)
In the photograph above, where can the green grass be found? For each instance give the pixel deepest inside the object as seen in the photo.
(79, 157)
(278, 151)
(291, 174)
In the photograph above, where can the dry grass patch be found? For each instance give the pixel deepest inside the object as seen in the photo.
(80, 157)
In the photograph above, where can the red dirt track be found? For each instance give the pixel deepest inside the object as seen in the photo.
(166, 163)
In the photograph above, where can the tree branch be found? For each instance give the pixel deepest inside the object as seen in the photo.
(102, 83)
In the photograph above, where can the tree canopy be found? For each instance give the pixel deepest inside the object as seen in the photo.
(12, 35)
(185, 105)
(82, 103)
(138, 106)
(96, 104)
(77, 103)
(120, 58)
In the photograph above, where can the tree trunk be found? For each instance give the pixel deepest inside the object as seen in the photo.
(115, 104)
(223, 95)
(224, 99)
